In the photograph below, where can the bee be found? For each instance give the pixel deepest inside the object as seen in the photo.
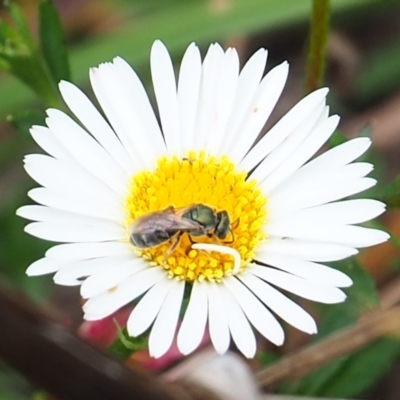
(156, 228)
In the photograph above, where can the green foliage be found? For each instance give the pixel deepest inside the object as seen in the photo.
(52, 41)
(124, 346)
(362, 369)
(25, 119)
(391, 194)
(178, 23)
(349, 375)
(19, 55)
(373, 81)
(12, 385)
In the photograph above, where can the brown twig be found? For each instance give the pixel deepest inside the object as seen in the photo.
(62, 364)
(390, 294)
(294, 366)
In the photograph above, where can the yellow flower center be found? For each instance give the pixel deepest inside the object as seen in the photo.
(183, 183)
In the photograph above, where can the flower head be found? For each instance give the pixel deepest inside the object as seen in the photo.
(145, 211)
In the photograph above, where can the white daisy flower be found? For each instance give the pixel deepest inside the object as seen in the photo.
(286, 217)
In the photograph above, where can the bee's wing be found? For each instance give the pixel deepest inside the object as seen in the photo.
(166, 220)
(177, 223)
(183, 210)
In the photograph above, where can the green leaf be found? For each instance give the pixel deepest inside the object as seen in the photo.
(24, 120)
(362, 369)
(13, 386)
(6, 33)
(362, 296)
(19, 55)
(266, 358)
(311, 384)
(124, 346)
(31, 70)
(21, 25)
(372, 83)
(52, 41)
(391, 194)
(336, 139)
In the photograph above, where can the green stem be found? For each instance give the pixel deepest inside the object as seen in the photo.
(319, 29)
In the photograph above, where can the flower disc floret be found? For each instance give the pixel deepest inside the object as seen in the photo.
(208, 180)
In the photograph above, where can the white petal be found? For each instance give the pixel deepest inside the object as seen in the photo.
(343, 212)
(239, 326)
(257, 314)
(248, 82)
(348, 235)
(75, 232)
(73, 273)
(163, 331)
(339, 156)
(280, 131)
(94, 122)
(289, 146)
(279, 303)
(137, 112)
(163, 76)
(194, 322)
(225, 91)
(106, 280)
(308, 250)
(218, 320)
(54, 216)
(299, 286)
(146, 311)
(261, 107)
(208, 95)
(82, 251)
(76, 270)
(87, 151)
(68, 179)
(49, 143)
(320, 134)
(317, 178)
(77, 206)
(188, 95)
(107, 89)
(332, 189)
(313, 272)
(45, 266)
(107, 303)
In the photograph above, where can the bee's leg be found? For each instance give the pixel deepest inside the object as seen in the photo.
(171, 249)
(191, 239)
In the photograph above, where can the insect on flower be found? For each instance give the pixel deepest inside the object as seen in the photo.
(156, 228)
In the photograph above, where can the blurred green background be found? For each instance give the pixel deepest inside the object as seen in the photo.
(363, 72)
